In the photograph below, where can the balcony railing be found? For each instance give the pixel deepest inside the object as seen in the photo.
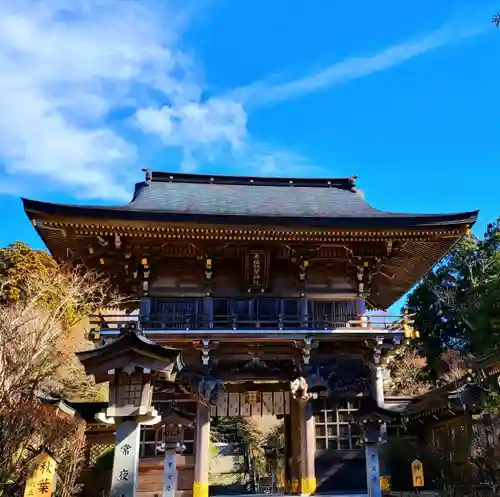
(231, 322)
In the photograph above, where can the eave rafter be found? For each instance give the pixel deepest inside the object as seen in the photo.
(248, 234)
(389, 262)
(361, 261)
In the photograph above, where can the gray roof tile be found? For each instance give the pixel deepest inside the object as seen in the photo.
(246, 200)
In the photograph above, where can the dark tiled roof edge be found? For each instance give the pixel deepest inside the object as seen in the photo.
(390, 220)
(347, 183)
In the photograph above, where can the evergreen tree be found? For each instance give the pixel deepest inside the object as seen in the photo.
(457, 306)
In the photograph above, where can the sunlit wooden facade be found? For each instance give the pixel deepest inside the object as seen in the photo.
(265, 284)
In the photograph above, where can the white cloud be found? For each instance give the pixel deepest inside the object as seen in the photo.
(70, 68)
(66, 65)
(262, 159)
(265, 92)
(194, 124)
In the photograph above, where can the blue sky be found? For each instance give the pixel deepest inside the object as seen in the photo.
(402, 94)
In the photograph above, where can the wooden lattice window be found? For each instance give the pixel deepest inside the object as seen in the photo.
(331, 313)
(333, 428)
(129, 390)
(96, 451)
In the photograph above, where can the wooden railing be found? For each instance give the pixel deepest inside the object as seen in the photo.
(371, 322)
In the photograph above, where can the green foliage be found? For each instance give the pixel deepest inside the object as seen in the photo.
(16, 262)
(275, 438)
(496, 19)
(234, 430)
(242, 431)
(457, 306)
(21, 267)
(491, 403)
(28, 275)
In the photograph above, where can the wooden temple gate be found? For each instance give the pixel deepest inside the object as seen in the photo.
(262, 285)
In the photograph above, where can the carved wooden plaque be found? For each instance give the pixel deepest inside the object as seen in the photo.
(256, 269)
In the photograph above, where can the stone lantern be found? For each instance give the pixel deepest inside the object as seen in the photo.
(130, 365)
(174, 421)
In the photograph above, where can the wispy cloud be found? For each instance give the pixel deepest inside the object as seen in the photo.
(85, 82)
(69, 68)
(264, 92)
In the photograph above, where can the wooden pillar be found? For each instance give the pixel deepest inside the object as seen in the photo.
(308, 449)
(287, 449)
(378, 385)
(294, 461)
(303, 313)
(202, 451)
(145, 309)
(208, 311)
(360, 307)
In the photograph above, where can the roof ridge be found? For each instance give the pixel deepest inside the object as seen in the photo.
(344, 183)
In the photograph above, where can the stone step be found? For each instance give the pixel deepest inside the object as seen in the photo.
(158, 493)
(184, 481)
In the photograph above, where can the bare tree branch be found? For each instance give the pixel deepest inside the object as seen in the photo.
(41, 326)
(408, 374)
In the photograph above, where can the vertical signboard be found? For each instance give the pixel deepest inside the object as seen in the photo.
(41, 482)
(256, 269)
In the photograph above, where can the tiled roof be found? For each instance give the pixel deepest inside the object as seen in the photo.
(250, 200)
(300, 202)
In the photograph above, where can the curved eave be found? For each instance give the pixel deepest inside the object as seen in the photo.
(425, 239)
(435, 398)
(129, 342)
(36, 209)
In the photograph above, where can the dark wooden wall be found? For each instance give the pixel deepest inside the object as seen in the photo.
(186, 277)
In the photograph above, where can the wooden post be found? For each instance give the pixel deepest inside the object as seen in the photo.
(145, 309)
(360, 308)
(378, 385)
(126, 459)
(295, 442)
(202, 451)
(303, 313)
(308, 449)
(208, 311)
(288, 452)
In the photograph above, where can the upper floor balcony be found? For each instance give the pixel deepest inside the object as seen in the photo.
(215, 315)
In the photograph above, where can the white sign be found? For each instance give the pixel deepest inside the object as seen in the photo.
(170, 474)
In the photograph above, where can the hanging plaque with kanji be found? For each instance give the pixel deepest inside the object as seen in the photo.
(256, 269)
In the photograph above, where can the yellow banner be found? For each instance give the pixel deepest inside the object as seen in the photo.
(41, 482)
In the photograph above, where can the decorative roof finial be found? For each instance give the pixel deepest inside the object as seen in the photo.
(149, 176)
